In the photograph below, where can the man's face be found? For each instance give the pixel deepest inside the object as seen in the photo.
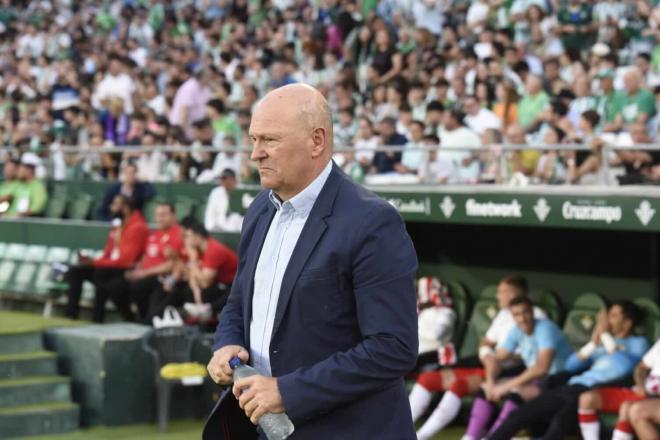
(606, 84)
(165, 218)
(617, 320)
(282, 145)
(505, 293)
(192, 240)
(416, 132)
(228, 182)
(116, 206)
(9, 171)
(523, 315)
(114, 68)
(130, 175)
(631, 82)
(515, 134)
(24, 172)
(471, 106)
(386, 130)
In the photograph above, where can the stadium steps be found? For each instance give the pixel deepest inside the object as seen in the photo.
(38, 363)
(34, 399)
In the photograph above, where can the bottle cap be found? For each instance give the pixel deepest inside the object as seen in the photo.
(235, 362)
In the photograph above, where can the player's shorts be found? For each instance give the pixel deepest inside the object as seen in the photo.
(614, 397)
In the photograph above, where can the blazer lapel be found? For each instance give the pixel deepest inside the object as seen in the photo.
(259, 237)
(312, 232)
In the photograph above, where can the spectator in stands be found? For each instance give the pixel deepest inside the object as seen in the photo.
(29, 197)
(461, 161)
(366, 142)
(522, 161)
(126, 242)
(413, 156)
(612, 354)
(544, 350)
(467, 375)
(533, 102)
(622, 400)
(190, 100)
(606, 99)
(387, 62)
(635, 104)
(9, 182)
(552, 167)
(386, 161)
(129, 186)
(479, 119)
(117, 83)
(346, 128)
(209, 269)
(162, 250)
(218, 216)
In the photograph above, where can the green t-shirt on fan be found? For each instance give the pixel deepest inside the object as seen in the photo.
(630, 107)
(29, 196)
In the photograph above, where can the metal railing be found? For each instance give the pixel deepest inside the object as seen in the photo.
(73, 156)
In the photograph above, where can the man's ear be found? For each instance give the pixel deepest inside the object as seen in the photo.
(319, 141)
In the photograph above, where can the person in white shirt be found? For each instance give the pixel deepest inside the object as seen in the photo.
(467, 375)
(479, 119)
(366, 143)
(116, 83)
(217, 216)
(457, 165)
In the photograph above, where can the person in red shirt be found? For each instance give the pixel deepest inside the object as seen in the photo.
(208, 270)
(125, 246)
(164, 245)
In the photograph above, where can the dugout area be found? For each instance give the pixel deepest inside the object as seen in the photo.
(574, 265)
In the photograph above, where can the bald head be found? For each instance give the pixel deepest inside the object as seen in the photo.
(306, 105)
(291, 133)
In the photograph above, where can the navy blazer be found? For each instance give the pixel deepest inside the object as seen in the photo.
(345, 330)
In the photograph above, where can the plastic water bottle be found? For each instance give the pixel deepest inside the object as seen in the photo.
(275, 426)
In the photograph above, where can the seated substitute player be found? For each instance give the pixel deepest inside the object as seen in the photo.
(466, 376)
(544, 350)
(612, 354)
(436, 320)
(622, 400)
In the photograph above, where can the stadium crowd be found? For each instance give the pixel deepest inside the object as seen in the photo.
(422, 75)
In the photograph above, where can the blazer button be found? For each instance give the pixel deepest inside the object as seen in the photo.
(276, 351)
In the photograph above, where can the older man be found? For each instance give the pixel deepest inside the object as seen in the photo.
(323, 304)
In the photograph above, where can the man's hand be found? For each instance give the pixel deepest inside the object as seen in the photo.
(602, 325)
(499, 391)
(640, 391)
(219, 369)
(258, 395)
(85, 260)
(132, 275)
(489, 390)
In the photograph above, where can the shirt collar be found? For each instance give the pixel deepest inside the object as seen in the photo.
(303, 202)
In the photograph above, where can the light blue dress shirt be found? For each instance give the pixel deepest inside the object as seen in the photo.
(283, 233)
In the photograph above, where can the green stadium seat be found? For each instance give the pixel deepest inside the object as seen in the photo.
(58, 254)
(15, 251)
(42, 283)
(483, 313)
(149, 211)
(3, 248)
(80, 206)
(461, 302)
(56, 207)
(7, 269)
(489, 292)
(24, 277)
(581, 318)
(549, 302)
(184, 206)
(200, 211)
(36, 253)
(650, 327)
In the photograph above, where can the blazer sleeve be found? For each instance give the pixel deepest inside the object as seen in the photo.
(383, 266)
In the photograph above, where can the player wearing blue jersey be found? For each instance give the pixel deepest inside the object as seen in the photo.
(612, 354)
(543, 349)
